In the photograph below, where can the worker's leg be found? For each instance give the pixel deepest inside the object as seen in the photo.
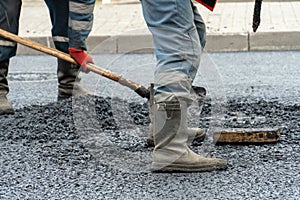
(177, 48)
(9, 21)
(67, 74)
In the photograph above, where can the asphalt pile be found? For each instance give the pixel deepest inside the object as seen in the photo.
(94, 147)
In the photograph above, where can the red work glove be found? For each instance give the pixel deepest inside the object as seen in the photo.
(81, 57)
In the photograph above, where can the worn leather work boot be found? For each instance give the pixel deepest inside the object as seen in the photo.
(195, 134)
(171, 152)
(69, 82)
(5, 106)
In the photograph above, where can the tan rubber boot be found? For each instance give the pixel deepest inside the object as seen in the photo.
(5, 106)
(69, 82)
(171, 152)
(195, 134)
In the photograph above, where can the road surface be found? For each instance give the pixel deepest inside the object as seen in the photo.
(95, 147)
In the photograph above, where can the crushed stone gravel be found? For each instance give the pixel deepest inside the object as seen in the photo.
(95, 148)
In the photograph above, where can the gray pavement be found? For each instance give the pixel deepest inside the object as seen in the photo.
(62, 150)
(120, 28)
(270, 75)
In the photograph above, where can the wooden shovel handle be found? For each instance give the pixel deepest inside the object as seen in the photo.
(139, 89)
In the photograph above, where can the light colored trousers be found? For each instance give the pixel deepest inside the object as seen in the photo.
(179, 35)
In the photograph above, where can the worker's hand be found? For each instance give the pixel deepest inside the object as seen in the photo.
(81, 57)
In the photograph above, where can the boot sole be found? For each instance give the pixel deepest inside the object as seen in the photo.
(63, 97)
(7, 112)
(161, 168)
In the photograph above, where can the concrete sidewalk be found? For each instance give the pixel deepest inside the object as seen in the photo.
(120, 28)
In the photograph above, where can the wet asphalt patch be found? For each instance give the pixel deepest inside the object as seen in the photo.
(95, 148)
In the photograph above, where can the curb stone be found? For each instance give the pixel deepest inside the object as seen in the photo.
(227, 42)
